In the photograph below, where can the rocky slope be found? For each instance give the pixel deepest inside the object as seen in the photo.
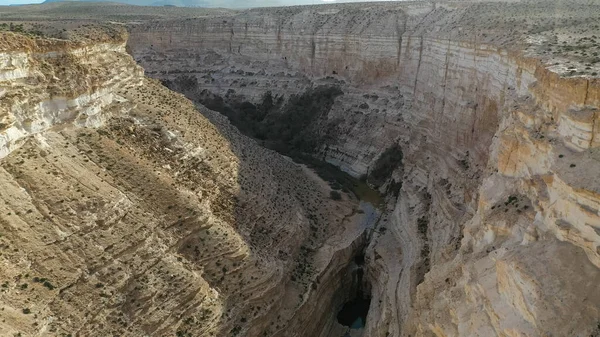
(126, 212)
(495, 230)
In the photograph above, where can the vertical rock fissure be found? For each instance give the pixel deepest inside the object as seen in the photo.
(353, 313)
(400, 32)
(594, 121)
(313, 51)
(445, 78)
(418, 65)
(587, 87)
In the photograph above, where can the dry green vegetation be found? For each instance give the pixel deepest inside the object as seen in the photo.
(32, 30)
(65, 12)
(386, 164)
(289, 126)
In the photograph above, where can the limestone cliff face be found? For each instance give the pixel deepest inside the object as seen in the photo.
(126, 212)
(496, 229)
(46, 83)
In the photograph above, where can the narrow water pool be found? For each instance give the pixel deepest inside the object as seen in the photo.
(354, 313)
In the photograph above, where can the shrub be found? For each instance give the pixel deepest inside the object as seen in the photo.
(335, 195)
(285, 128)
(389, 160)
(422, 224)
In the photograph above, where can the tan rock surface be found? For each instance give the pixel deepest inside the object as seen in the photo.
(148, 219)
(495, 230)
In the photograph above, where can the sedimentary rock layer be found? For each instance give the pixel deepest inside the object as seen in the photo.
(127, 212)
(46, 83)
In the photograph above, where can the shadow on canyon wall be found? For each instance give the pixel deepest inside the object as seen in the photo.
(296, 127)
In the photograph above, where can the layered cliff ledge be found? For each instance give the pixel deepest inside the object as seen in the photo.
(126, 212)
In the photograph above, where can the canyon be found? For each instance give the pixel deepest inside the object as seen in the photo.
(174, 172)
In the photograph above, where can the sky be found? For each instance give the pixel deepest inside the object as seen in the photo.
(287, 2)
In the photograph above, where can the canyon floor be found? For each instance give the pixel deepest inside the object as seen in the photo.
(365, 169)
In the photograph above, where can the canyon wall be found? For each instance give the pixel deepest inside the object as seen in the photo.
(126, 212)
(495, 230)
